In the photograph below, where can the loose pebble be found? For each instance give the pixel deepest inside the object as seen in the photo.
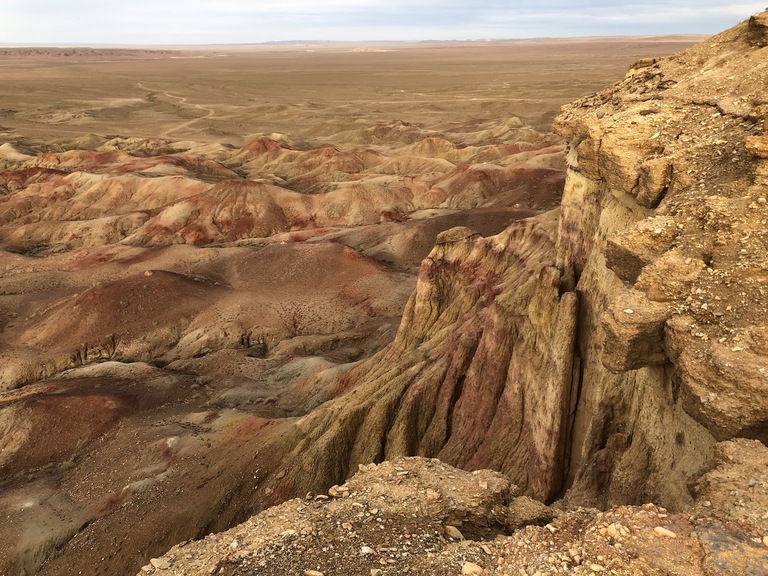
(160, 563)
(469, 568)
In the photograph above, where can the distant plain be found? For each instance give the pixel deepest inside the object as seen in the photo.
(231, 93)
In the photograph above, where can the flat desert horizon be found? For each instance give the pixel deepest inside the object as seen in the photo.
(229, 94)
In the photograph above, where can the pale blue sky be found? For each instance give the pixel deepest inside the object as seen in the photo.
(52, 22)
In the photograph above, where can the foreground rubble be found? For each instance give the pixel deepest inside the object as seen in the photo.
(421, 517)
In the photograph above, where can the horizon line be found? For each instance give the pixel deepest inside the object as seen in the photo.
(347, 42)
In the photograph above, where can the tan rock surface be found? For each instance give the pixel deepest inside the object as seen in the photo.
(662, 215)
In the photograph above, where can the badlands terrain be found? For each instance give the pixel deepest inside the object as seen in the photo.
(235, 276)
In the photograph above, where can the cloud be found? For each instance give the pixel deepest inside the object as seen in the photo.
(240, 21)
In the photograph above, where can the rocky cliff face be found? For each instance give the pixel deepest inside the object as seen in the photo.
(479, 375)
(663, 234)
(615, 352)
(606, 360)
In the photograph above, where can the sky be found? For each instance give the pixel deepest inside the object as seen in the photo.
(175, 22)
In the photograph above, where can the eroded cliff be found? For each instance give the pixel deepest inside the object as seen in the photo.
(607, 360)
(612, 352)
(663, 231)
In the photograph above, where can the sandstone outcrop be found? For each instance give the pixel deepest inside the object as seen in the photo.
(465, 379)
(663, 225)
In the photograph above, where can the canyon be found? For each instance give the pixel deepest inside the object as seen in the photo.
(197, 330)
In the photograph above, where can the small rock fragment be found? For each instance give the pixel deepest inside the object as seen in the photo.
(453, 532)
(469, 568)
(367, 550)
(160, 563)
(661, 531)
(313, 573)
(338, 491)
(613, 531)
(524, 511)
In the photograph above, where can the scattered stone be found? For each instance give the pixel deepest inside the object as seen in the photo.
(160, 563)
(661, 531)
(613, 532)
(470, 568)
(338, 491)
(453, 532)
(524, 511)
(313, 573)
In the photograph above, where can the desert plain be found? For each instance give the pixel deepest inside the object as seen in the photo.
(197, 244)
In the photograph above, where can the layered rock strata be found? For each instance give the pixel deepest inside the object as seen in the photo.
(610, 360)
